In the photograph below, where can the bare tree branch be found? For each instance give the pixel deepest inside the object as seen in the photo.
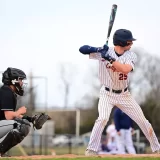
(67, 75)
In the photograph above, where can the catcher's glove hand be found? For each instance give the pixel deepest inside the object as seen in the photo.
(39, 120)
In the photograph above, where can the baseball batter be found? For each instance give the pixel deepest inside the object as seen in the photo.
(115, 66)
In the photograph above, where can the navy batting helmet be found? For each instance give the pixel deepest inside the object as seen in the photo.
(121, 36)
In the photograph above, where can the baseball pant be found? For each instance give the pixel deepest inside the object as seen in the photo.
(129, 106)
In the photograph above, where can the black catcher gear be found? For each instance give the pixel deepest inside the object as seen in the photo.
(15, 136)
(12, 76)
(39, 120)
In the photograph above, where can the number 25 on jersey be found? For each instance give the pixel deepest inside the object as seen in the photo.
(122, 76)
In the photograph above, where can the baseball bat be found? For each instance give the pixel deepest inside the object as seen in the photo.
(111, 21)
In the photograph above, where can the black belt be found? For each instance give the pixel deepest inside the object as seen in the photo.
(116, 91)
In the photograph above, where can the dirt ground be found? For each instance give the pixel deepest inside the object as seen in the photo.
(77, 156)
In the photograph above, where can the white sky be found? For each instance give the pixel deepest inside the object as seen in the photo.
(39, 34)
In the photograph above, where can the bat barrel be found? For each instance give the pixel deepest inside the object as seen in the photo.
(111, 21)
(114, 6)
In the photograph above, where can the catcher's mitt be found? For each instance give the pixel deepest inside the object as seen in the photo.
(39, 120)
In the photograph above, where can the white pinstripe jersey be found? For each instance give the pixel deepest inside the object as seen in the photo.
(109, 78)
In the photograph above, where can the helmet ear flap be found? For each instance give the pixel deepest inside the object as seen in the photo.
(122, 43)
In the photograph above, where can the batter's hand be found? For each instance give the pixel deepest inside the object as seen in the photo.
(103, 50)
(105, 55)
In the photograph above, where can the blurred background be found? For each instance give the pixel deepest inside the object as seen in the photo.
(43, 38)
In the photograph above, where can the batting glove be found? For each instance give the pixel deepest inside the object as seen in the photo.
(103, 50)
(105, 55)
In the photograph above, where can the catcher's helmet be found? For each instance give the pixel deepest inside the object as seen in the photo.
(12, 76)
(121, 36)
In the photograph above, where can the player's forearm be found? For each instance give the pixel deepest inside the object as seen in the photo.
(9, 115)
(124, 68)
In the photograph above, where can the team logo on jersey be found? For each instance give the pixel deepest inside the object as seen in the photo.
(109, 66)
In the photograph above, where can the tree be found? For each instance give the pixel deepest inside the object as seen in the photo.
(91, 78)
(146, 75)
(67, 75)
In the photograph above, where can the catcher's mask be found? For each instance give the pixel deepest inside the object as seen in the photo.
(15, 77)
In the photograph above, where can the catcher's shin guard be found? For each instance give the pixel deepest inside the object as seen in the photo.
(14, 137)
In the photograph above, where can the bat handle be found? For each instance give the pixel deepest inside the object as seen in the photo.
(107, 41)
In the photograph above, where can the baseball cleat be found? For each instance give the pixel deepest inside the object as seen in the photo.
(90, 153)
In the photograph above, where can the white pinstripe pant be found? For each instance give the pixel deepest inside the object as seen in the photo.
(129, 106)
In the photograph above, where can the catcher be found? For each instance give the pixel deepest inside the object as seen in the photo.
(14, 126)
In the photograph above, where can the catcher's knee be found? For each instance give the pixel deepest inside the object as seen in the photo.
(23, 126)
(21, 131)
(5, 127)
(10, 140)
(14, 136)
(24, 129)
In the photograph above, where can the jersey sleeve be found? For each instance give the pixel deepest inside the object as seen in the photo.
(95, 56)
(131, 60)
(7, 103)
